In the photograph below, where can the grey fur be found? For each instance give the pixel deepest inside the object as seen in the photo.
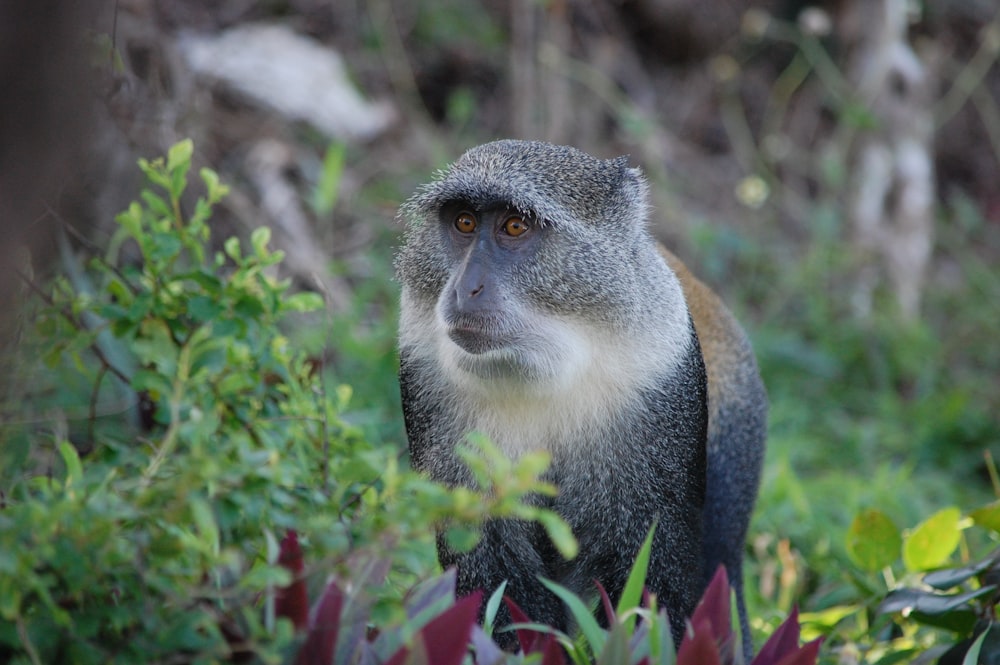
(605, 372)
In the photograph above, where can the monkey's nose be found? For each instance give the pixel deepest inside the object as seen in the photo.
(467, 297)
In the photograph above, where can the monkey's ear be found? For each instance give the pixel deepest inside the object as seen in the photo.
(633, 191)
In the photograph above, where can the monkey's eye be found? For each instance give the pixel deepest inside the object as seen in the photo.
(465, 223)
(515, 226)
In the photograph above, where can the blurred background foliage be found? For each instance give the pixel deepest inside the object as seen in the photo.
(831, 169)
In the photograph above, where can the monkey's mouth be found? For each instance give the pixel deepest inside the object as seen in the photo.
(479, 334)
(476, 339)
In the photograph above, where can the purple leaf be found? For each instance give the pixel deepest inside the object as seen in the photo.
(552, 652)
(321, 638)
(529, 640)
(713, 615)
(714, 605)
(447, 635)
(784, 640)
(806, 655)
(292, 601)
(445, 638)
(609, 609)
(698, 646)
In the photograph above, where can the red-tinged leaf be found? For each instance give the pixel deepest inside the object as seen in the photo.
(714, 607)
(290, 553)
(529, 640)
(609, 609)
(446, 637)
(292, 601)
(552, 651)
(698, 646)
(807, 655)
(782, 642)
(321, 640)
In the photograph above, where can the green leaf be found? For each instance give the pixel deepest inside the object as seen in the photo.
(927, 602)
(492, 607)
(155, 204)
(616, 649)
(305, 301)
(325, 195)
(933, 541)
(661, 640)
(203, 308)
(131, 220)
(826, 619)
(259, 239)
(71, 458)
(203, 518)
(215, 189)
(154, 172)
(461, 539)
(951, 577)
(164, 247)
(972, 655)
(584, 618)
(873, 541)
(559, 533)
(152, 382)
(179, 155)
(988, 516)
(960, 620)
(250, 307)
(632, 592)
(232, 247)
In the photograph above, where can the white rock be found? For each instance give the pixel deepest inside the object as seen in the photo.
(276, 68)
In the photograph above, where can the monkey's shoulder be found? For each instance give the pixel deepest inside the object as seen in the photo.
(724, 342)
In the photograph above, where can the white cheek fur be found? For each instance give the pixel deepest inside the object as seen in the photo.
(575, 376)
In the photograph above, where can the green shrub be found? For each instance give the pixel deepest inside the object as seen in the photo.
(918, 594)
(150, 533)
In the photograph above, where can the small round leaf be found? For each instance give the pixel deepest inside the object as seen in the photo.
(873, 541)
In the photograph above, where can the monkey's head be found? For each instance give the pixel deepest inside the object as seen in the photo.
(523, 260)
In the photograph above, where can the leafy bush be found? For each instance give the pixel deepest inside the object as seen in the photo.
(910, 599)
(153, 537)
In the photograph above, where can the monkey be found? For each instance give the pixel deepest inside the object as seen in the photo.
(536, 308)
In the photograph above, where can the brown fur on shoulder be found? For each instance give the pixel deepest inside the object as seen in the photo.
(724, 345)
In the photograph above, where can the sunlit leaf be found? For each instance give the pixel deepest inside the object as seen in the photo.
(988, 516)
(933, 541)
(873, 541)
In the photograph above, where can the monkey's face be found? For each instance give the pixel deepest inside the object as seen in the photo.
(527, 270)
(486, 248)
(489, 325)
